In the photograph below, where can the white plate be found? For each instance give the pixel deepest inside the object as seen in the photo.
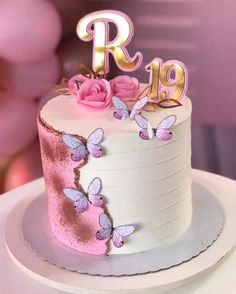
(72, 282)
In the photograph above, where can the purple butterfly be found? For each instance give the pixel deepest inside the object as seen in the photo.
(162, 131)
(81, 149)
(122, 110)
(116, 234)
(81, 200)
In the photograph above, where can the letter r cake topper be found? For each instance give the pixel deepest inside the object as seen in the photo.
(96, 26)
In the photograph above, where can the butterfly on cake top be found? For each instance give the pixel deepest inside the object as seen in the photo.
(122, 110)
(162, 131)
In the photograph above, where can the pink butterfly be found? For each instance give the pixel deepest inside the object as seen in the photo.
(122, 110)
(81, 200)
(162, 131)
(81, 149)
(116, 234)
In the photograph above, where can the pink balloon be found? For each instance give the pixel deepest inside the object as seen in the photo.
(70, 11)
(17, 123)
(30, 30)
(24, 168)
(32, 79)
(72, 54)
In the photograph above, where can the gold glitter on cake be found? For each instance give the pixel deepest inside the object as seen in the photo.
(47, 150)
(67, 212)
(57, 183)
(84, 230)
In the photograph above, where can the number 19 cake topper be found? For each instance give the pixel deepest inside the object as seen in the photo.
(168, 80)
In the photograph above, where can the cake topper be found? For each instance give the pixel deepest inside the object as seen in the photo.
(96, 26)
(81, 149)
(162, 131)
(82, 200)
(122, 110)
(168, 80)
(116, 234)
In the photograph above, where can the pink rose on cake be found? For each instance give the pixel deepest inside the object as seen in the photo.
(125, 87)
(95, 94)
(74, 82)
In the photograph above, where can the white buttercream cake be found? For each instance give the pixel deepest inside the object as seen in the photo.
(146, 184)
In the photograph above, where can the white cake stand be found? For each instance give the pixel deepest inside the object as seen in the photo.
(70, 282)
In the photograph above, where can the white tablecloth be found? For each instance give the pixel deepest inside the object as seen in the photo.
(13, 281)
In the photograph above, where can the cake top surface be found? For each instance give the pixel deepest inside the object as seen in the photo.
(63, 113)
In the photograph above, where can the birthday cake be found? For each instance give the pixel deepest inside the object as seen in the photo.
(116, 153)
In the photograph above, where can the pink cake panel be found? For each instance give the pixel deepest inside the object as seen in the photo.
(73, 229)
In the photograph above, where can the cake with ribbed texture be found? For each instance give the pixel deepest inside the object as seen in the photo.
(144, 183)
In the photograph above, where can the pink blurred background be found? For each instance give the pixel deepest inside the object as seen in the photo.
(39, 46)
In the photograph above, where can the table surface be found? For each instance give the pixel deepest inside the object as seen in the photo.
(12, 279)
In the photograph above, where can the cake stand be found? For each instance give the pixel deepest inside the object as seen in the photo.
(194, 276)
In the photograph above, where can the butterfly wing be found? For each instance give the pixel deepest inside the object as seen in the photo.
(95, 186)
(79, 199)
(96, 136)
(117, 239)
(96, 200)
(77, 145)
(105, 221)
(93, 143)
(168, 122)
(73, 194)
(71, 141)
(93, 192)
(106, 226)
(146, 132)
(138, 106)
(119, 233)
(103, 234)
(163, 130)
(122, 110)
(82, 204)
(125, 230)
(79, 153)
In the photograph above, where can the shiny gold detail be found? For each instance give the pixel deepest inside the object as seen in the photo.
(166, 91)
(173, 103)
(151, 107)
(145, 92)
(61, 88)
(48, 128)
(90, 73)
(154, 68)
(179, 83)
(96, 26)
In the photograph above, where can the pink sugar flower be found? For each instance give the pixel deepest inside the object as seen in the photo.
(95, 94)
(125, 87)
